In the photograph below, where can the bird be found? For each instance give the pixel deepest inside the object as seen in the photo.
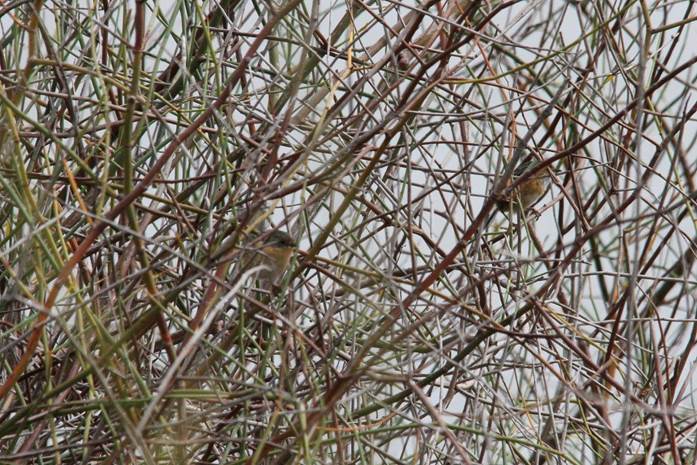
(273, 253)
(272, 250)
(528, 192)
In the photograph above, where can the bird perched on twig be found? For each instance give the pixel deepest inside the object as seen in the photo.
(272, 250)
(528, 192)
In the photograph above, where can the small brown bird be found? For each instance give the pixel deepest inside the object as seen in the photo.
(528, 192)
(270, 250)
(274, 254)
